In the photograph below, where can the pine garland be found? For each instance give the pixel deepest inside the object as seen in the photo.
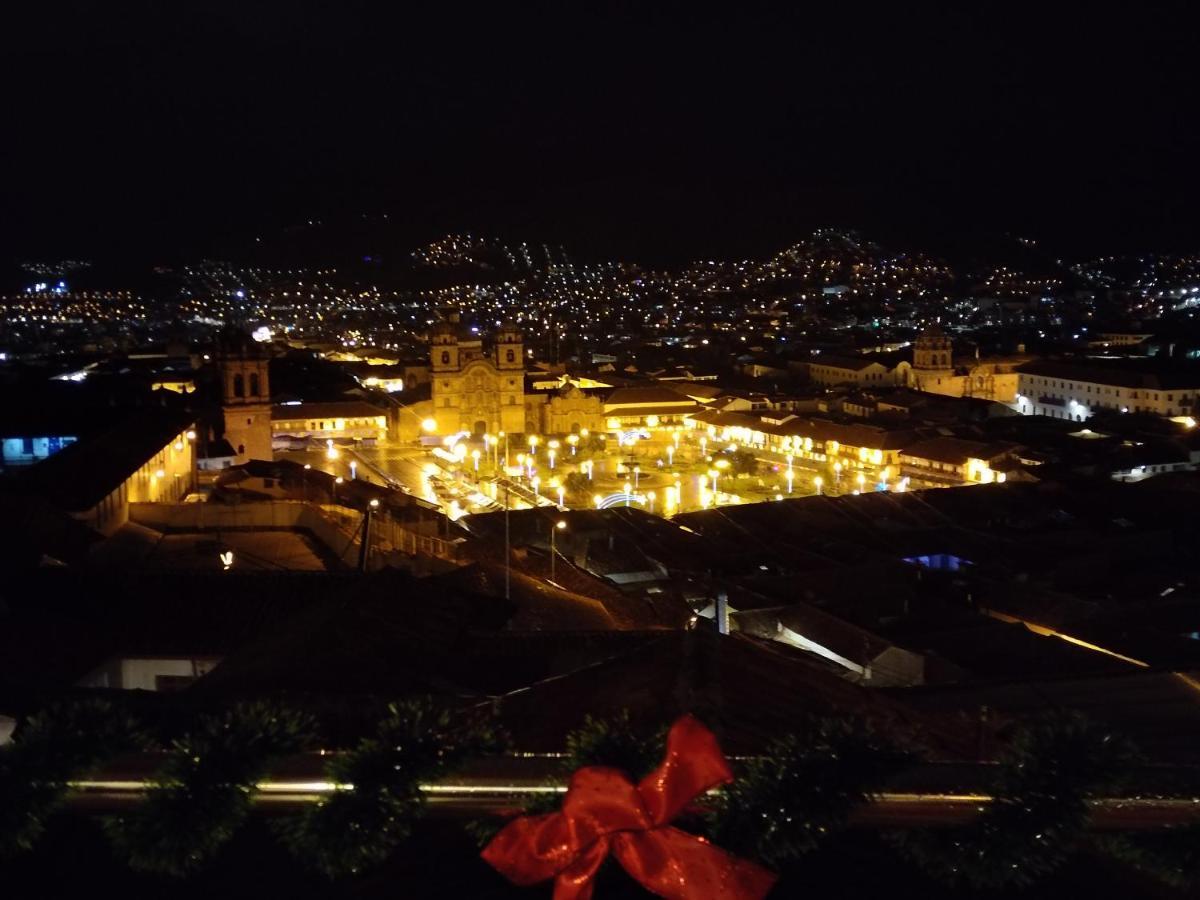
(362, 825)
(203, 793)
(1038, 814)
(1170, 855)
(785, 803)
(61, 744)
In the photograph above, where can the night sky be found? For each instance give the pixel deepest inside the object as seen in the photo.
(166, 129)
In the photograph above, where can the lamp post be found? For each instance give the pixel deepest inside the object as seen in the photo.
(628, 490)
(714, 474)
(572, 439)
(557, 527)
(504, 435)
(553, 451)
(507, 554)
(650, 498)
(304, 480)
(671, 454)
(562, 492)
(637, 470)
(817, 482)
(475, 458)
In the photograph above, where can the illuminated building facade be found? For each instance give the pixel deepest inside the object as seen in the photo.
(474, 388)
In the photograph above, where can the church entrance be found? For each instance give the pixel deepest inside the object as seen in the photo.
(480, 429)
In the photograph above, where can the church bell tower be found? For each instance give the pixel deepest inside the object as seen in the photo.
(245, 395)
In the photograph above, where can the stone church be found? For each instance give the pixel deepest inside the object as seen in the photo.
(476, 388)
(934, 369)
(479, 387)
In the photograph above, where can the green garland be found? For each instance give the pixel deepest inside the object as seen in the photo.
(781, 806)
(203, 793)
(1170, 855)
(61, 744)
(361, 826)
(787, 802)
(1039, 812)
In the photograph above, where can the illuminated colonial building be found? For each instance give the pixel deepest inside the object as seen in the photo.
(935, 370)
(476, 388)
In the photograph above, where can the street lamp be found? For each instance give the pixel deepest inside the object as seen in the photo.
(817, 482)
(637, 470)
(671, 454)
(572, 439)
(475, 458)
(714, 474)
(628, 490)
(504, 435)
(650, 497)
(562, 492)
(558, 526)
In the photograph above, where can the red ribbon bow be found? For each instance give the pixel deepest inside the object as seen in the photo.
(603, 811)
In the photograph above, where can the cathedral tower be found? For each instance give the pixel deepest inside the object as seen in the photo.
(509, 348)
(245, 395)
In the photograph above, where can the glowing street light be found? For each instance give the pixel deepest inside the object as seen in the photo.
(650, 497)
(817, 482)
(637, 471)
(562, 492)
(331, 452)
(628, 491)
(475, 458)
(572, 439)
(598, 500)
(671, 454)
(429, 426)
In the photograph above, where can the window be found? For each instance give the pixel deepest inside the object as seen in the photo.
(509, 356)
(239, 388)
(445, 357)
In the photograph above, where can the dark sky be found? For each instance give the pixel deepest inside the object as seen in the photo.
(649, 130)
